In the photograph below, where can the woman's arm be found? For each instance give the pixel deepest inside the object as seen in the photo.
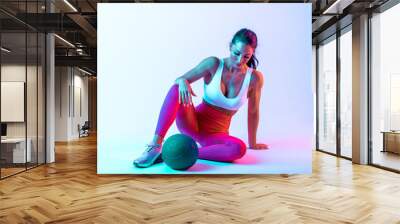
(201, 70)
(253, 111)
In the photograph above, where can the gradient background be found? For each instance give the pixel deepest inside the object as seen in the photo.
(143, 48)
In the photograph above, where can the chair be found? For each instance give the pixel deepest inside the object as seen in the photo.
(84, 130)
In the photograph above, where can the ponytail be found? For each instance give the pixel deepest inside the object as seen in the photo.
(253, 62)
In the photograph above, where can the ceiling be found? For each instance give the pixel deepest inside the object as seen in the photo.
(76, 22)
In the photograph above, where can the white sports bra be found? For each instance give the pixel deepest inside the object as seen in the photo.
(214, 96)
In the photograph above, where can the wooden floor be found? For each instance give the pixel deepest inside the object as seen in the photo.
(5, 172)
(70, 191)
(387, 159)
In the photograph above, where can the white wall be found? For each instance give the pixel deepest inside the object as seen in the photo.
(61, 103)
(70, 83)
(33, 127)
(15, 72)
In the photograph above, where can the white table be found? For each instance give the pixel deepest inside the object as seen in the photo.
(18, 145)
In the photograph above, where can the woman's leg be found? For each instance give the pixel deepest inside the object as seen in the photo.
(221, 147)
(170, 111)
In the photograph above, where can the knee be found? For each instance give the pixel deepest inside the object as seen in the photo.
(173, 93)
(174, 88)
(238, 149)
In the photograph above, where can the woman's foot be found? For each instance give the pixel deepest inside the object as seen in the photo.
(150, 156)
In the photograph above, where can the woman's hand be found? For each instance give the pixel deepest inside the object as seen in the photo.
(259, 146)
(185, 92)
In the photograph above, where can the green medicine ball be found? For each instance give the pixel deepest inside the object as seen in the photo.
(180, 152)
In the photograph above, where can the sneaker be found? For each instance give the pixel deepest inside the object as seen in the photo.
(150, 156)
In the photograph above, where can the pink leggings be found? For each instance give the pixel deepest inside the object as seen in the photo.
(205, 124)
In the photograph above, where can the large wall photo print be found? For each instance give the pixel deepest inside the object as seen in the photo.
(204, 88)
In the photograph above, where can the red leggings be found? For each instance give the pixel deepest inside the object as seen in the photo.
(205, 124)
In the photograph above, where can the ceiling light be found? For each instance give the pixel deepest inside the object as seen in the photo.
(64, 40)
(5, 50)
(338, 6)
(70, 5)
(84, 71)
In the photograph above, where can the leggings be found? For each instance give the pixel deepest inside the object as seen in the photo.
(205, 124)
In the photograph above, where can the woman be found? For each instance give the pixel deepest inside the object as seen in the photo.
(228, 82)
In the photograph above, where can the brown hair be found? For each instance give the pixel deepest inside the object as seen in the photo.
(247, 36)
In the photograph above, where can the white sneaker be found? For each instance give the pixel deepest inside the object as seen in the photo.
(151, 155)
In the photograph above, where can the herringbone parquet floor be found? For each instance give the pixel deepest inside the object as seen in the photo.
(70, 191)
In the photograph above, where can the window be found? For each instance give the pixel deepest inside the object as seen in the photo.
(327, 96)
(346, 93)
(385, 85)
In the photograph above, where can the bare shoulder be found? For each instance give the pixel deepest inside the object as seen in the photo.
(257, 78)
(210, 62)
